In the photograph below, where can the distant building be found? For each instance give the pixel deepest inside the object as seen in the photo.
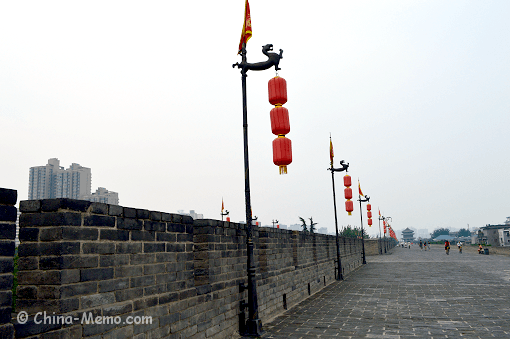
(103, 195)
(192, 214)
(495, 235)
(296, 227)
(323, 230)
(53, 181)
(408, 235)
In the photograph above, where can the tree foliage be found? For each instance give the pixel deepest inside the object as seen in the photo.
(439, 231)
(464, 233)
(303, 224)
(352, 232)
(312, 225)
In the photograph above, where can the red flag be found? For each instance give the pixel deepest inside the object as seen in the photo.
(359, 188)
(246, 33)
(222, 206)
(331, 154)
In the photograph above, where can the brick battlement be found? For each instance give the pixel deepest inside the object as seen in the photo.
(78, 257)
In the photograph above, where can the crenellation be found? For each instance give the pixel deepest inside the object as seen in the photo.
(78, 257)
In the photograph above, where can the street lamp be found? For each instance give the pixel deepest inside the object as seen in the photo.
(383, 218)
(367, 199)
(224, 214)
(275, 222)
(333, 170)
(253, 324)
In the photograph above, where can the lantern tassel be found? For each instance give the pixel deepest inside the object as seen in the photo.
(283, 169)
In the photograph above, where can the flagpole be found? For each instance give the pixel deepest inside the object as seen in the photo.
(333, 170)
(253, 324)
(380, 236)
(338, 260)
(367, 199)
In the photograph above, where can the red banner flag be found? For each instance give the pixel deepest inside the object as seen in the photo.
(331, 154)
(359, 188)
(246, 33)
(222, 206)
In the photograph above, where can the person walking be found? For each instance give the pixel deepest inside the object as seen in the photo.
(425, 245)
(421, 245)
(447, 247)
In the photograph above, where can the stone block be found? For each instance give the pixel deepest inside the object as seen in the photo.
(8, 196)
(98, 208)
(53, 205)
(74, 290)
(129, 212)
(8, 231)
(115, 235)
(116, 210)
(156, 216)
(90, 274)
(143, 235)
(30, 206)
(90, 301)
(129, 224)
(142, 214)
(50, 219)
(154, 226)
(99, 220)
(8, 213)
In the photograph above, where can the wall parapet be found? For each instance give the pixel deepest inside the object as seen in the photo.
(79, 257)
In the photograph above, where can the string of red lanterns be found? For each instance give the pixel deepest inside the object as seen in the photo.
(369, 214)
(280, 125)
(349, 205)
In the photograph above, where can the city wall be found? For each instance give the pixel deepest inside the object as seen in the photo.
(79, 260)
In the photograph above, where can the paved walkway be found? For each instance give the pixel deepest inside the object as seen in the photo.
(408, 294)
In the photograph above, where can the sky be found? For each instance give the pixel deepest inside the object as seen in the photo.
(415, 95)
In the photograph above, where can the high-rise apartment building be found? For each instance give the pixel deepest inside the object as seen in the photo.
(103, 195)
(53, 181)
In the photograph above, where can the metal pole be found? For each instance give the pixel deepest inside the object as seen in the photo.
(362, 231)
(340, 276)
(380, 237)
(253, 324)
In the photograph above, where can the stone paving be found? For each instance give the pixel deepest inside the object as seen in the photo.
(408, 294)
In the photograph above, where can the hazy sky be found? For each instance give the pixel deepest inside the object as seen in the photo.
(416, 95)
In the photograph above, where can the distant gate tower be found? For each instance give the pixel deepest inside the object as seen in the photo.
(408, 235)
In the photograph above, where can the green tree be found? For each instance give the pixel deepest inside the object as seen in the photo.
(303, 224)
(464, 233)
(439, 231)
(312, 225)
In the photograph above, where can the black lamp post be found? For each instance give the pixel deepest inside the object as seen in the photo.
(338, 260)
(275, 222)
(383, 218)
(224, 214)
(367, 199)
(253, 324)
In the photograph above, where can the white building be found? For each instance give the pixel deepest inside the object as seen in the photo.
(192, 214)
(103, 195)
(53, 181)
(504, 236)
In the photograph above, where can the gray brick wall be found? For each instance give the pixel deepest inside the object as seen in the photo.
(78, 257)
(8, 215)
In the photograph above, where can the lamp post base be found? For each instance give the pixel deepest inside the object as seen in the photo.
(253, 328)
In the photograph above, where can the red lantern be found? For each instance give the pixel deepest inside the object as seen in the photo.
(349, 207)
(282, 153)
(228, 219)
(280, 120)
(369, 222)
(277, 88)
(348, 193)
(369, 214)
(369, 208)
(347, 180)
